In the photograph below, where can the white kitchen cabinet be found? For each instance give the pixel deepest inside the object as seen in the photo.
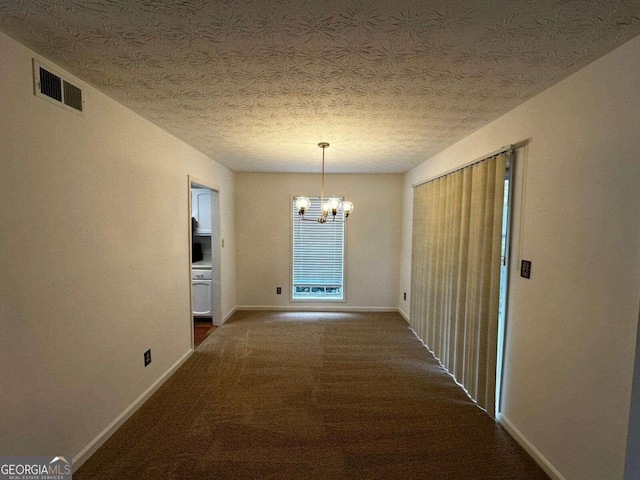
(201, 292)
(201, 210)
(201, 298)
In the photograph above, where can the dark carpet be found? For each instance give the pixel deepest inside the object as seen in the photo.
(272, 395)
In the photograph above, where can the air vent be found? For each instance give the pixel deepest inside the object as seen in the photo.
(56, 89)
(50, 85)
(72, 96)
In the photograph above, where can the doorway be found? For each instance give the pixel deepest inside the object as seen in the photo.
(205, 256)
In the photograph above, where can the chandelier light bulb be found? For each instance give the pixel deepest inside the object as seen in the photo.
(302, 204)
(347, 208)
(333, 204)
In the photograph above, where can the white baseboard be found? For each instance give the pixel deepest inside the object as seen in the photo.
(315, 308)
(103, 436)
(228, 315)
(529, 448)
(401, 312)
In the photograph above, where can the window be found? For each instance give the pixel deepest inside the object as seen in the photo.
(318, 256)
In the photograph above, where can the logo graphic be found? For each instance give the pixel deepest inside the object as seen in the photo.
(35, 468)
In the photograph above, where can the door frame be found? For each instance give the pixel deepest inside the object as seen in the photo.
(216, 251)
(505, 278)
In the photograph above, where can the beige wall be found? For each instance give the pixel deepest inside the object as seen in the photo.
(94, 265)
(572, 327)
(264, 237)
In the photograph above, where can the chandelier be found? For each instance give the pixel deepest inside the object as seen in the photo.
(331, 206)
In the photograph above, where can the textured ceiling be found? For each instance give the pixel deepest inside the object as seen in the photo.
(256, 84)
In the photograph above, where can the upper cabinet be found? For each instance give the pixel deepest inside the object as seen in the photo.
(201, 210)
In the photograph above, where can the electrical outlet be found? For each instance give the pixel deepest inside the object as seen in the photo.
(279, 290)
(525, 269)
(405, 296)
(147, 357)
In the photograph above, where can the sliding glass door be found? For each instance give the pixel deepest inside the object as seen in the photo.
(458, 279)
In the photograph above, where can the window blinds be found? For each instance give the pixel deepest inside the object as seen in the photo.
(318, 254)
(455, 272)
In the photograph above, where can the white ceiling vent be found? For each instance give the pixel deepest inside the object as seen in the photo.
(56, 89)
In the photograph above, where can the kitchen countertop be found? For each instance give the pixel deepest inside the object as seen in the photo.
(205, 263)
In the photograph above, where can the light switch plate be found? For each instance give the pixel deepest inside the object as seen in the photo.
(147, 357)
(525, 269)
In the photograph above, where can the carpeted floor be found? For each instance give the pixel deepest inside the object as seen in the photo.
(273, 395)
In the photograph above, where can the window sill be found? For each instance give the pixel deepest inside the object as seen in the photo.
(317, 300)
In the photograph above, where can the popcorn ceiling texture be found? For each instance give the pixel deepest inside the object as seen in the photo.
(256, 84)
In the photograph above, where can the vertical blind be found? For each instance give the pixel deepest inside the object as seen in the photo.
(455, 272)
(318, 254)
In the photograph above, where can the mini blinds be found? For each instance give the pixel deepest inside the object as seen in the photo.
(318, 255)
